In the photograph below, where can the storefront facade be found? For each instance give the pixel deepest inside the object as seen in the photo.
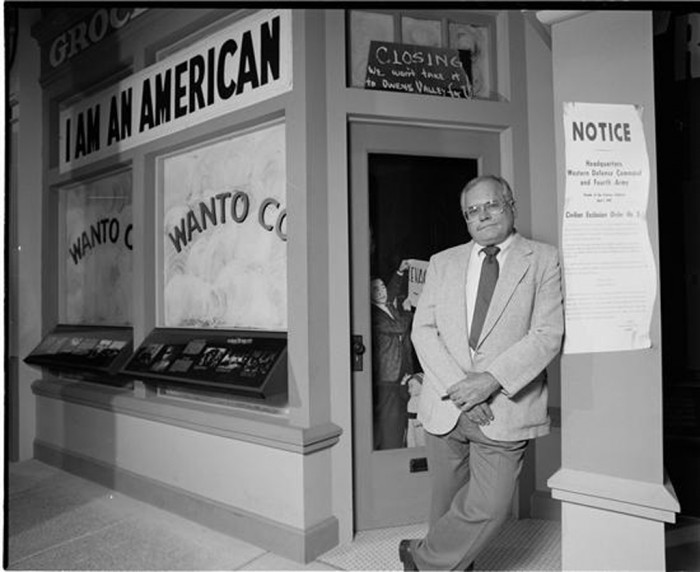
(214, 174)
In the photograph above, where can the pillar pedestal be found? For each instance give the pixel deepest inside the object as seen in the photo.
(612, 523)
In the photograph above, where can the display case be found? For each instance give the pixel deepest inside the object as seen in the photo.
(91, 353)
(221, 285)
(245, 363)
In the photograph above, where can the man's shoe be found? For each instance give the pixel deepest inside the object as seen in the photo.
(406, 555)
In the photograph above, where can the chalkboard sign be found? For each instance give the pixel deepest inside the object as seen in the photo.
(246, 363)
(417, 69)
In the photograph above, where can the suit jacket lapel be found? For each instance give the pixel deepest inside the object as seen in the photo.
(514, 269)
(456, 295)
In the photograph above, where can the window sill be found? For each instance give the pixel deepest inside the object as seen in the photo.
(240, 423)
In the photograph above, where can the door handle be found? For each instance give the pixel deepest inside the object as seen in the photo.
(358, 350)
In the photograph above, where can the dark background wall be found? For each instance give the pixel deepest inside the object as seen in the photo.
(677, 101)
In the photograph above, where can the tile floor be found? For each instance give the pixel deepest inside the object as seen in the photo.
(57, 521)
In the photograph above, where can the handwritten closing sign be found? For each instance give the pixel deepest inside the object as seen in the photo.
(417, 69)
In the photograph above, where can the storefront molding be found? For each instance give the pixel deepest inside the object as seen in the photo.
(551, 17)
(300, 545)
(544, 507)
(267, 429)
(653, 501)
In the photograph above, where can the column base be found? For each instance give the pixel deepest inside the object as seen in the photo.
(612, 523)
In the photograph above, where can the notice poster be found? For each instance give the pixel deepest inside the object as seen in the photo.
(609, 266)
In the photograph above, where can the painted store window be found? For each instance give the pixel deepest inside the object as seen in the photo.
(96, 245)
(445, 54)
(223, 245)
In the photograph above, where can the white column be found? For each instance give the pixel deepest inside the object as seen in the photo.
(615, 498)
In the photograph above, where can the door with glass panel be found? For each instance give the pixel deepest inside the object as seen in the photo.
(405, 183)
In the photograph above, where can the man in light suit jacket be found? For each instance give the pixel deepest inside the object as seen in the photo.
(484, 394)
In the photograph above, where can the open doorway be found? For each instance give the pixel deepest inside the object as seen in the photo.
(405, 186)
(413, 212)
(414, 206)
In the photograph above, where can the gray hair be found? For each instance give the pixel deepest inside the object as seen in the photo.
(506, 191)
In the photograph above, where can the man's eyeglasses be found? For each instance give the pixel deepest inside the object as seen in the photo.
(492, 208)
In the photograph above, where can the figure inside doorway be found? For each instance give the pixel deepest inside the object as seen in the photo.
(414, 429)
(393, 362)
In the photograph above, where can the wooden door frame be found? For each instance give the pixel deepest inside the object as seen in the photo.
(365, 138)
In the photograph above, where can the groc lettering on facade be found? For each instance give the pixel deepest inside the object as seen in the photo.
(88, 32)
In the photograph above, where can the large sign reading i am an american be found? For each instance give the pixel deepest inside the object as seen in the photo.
(245, 63)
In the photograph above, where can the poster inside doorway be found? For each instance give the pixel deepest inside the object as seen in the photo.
(609, 266)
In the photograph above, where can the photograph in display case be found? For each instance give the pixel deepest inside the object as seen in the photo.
(195, 347)
(250, 363)
(166, 358)
(106, 350)
(51, 345)
(233, 361)
(145, 356)
(210, 358)
(258, 364)
(98, 352)
(72, 346)
(86, 346)
(181, 365)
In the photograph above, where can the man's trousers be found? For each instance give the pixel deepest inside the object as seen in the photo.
(473, 479)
